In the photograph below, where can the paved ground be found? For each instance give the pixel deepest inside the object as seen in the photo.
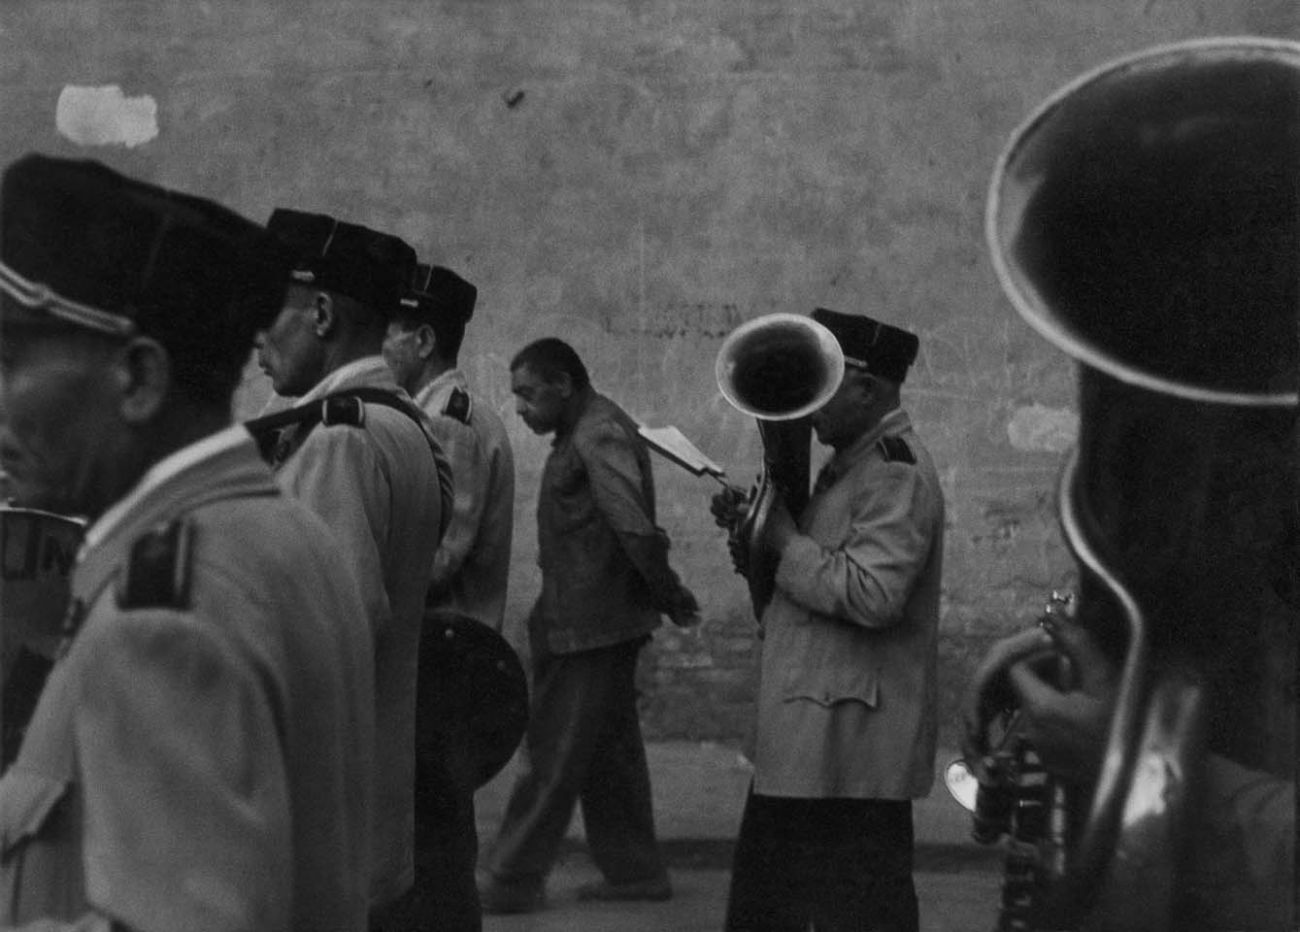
(699, 789)
(962, 900)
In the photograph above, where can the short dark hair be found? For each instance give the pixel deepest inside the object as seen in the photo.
(551, 357)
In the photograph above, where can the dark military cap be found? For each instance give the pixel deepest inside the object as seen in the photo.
(83, 245)
(438, 292)
(371, 267)
(883, 349)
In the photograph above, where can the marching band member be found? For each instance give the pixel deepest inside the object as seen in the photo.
(471, 570)
(373, 471)
(846, 707)
(200, 757)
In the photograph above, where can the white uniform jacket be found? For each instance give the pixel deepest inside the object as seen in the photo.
(377, 486)
(200, 758)
(847, 703)
(471, 569)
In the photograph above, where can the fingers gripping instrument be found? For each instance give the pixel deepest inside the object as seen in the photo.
(1008, 791)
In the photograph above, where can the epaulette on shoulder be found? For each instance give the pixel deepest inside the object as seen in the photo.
(345, 410)
(159, 571)
(896, 450)
(457, 405)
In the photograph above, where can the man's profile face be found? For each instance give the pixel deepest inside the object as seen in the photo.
(289, 351)
(844, 417)
(60, 426)
(540, 404)
(401, 350)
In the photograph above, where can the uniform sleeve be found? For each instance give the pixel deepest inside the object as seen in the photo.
(1244, 847)
(186, 801)
(469, 474)
(867, 580)
(339, 477)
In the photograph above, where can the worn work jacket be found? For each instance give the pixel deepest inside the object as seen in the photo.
(377, 485)
(200, 758)
(471, 570)
(847, 704)
(605, 576)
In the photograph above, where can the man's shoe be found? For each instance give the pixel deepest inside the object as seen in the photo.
(656, 890)
(501, 900)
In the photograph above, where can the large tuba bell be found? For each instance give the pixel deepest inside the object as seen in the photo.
(778, 368)
(1145, 221)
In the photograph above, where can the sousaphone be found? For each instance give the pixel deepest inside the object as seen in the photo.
(1144, 220)
(778, 368)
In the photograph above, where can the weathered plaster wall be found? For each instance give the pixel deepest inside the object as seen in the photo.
(640, 177)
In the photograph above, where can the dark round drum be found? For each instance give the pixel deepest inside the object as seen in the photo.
(472, 706)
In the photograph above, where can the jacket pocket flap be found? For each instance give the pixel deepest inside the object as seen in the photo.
(26, 801)
(827, 687)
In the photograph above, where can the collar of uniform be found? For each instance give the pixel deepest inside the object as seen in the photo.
(892, 424)
(433, 397)
(167, 467)
(368, 370)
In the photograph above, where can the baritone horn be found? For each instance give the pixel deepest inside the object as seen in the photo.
(778, 368)
(1144, 219)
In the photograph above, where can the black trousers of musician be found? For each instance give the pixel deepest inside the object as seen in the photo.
(446, 849)
(401, 915)
(833, 865)
(446, 836)
(583, 744)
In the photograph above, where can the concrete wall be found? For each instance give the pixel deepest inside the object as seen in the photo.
(640, 177)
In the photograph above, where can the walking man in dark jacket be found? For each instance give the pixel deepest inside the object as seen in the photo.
(605, 583)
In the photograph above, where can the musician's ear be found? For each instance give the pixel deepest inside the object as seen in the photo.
(144, 374)
(564, 385)
(325, 316)
(426, 341)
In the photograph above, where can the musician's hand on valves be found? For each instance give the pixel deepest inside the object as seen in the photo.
(1068, 727)
(780, 526)
(729, 507)
(989, 697)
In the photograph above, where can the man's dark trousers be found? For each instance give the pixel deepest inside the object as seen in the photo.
(841, 865)
(446, 837)
(583, 744)
(446, 849)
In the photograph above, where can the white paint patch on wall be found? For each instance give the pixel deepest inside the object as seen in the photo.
(104, 116)
(1039, 429)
